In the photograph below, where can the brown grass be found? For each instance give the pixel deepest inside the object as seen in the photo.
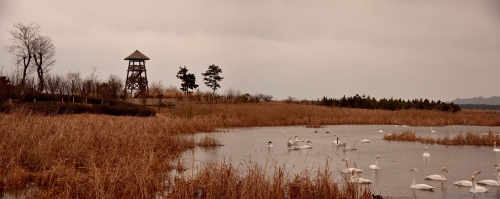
(284, 114)
(470, 138)
(222, 180)
(92, 156)
(208, 141)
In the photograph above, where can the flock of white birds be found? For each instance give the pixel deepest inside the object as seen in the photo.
(295, 145)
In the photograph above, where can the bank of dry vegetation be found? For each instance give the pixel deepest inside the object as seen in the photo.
(102, 156)
(222, 180)
(470, 138)
(285, 114)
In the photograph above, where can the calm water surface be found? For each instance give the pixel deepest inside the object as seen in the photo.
(245, 145)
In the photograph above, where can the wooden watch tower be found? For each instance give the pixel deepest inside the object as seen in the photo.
(136, 73)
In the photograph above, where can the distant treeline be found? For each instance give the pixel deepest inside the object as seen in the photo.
(367, 102)
(480, 106)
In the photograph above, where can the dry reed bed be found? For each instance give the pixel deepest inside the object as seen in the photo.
(92, 156)
(283, 114)
(208, 141)
(222, 180)
(470, 138)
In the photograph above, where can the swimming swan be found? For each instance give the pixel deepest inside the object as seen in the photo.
(466, 183)
(363, 139)
(426, 154)
(419, 186)
(432, 130)
(496, 166)
(270, 144)
(349, 170)
(348, 148)
(335, 141)
(290, 143)
(380, 130)
(495, 147)
(358, 180)
(436, 176)
(297, 139)
(307, 146)
(492, 182)
(475, 188)
(376, 163)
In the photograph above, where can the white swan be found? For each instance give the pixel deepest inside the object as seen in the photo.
(419, 186)
(466, 183)
(349, 170)
(395, 125)
(358, 180)
(432, 130)
(335, 141)
(405, 126)
(492, 182)
(436, 176)
(496, 166)
(375, 166)
(297, 139)
(307, 146)
(426, 154)
(290, 143)
(363, 139)
(270, 144)
(380, 130)
(475, 188)
(495, 147)
(348, 148)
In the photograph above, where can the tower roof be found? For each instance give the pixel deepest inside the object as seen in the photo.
(137, 56)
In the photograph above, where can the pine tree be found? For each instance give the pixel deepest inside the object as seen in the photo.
(188, 80)
(212, 78)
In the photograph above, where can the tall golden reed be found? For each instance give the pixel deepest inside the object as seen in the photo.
(222, 180)
(92, 156)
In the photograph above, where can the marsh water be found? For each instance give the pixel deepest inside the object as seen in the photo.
(243, 146)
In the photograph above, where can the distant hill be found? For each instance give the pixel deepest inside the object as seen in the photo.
(495, 100)
(479, 106)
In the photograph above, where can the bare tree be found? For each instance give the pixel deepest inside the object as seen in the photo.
(158, 89)
(27, 43)
(22, 39)
(75, 82)
(116, 85)
(54, 82)
(43, 53)
(93, 81)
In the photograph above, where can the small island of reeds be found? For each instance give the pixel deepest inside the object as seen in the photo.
(470, 138)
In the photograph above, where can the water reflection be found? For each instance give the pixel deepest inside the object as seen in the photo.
(246, 145)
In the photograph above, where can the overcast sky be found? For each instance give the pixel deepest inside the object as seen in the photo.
(439, 50)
